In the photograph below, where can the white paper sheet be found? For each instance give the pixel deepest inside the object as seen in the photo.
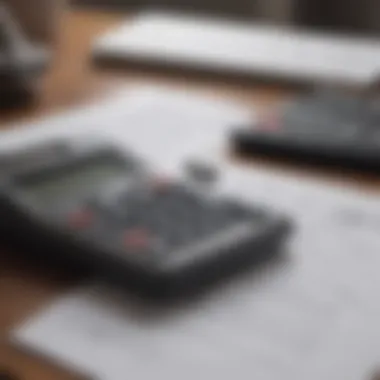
(313, 316)
(159, 123)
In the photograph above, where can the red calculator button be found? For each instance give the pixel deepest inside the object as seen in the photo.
(136, 239)
(80, 219)
(270, 123)
(161, 184)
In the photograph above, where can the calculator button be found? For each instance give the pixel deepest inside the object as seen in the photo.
(271, 123)
(201, 173)
(81, 218)
(136, 239)
(162, 184)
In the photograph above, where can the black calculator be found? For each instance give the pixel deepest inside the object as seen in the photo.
(103, 209)
(324, 127)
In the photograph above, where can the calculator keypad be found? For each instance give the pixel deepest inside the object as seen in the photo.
(162, 220)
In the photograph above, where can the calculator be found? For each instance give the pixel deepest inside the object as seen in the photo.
(324, 127)
(103, 209)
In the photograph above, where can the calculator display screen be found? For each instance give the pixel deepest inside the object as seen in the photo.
(73, 182)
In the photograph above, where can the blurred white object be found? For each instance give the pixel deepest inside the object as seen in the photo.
(313, 317)
(200, 43)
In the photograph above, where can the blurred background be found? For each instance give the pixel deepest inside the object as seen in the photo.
(348, 15)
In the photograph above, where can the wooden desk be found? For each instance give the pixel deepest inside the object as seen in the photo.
(70, 81)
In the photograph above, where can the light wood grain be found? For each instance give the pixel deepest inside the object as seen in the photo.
(70, 81)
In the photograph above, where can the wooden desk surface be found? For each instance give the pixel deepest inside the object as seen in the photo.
(71, 81)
